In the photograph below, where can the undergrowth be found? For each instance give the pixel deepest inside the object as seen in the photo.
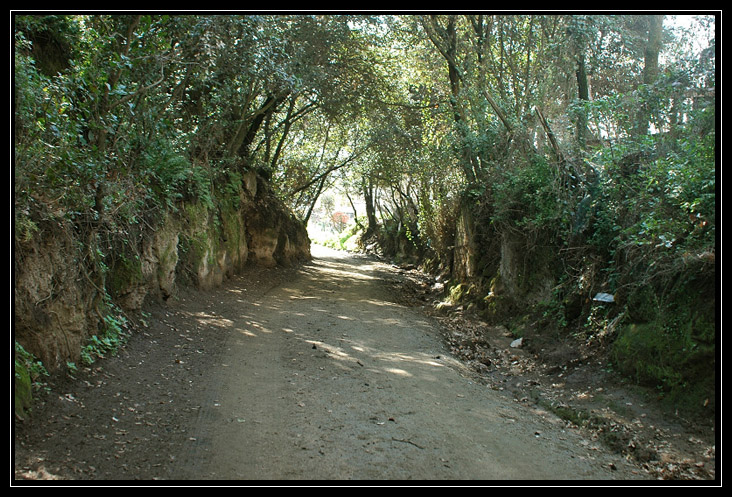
(114, 332)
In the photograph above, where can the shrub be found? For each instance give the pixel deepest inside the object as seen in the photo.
(529, 196)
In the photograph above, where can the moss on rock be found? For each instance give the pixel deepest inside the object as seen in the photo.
(671, 345)
(23, 390)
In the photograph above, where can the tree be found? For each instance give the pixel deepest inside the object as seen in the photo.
(339, 220)
(650, 67)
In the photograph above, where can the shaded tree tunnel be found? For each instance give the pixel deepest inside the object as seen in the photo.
(532, 161)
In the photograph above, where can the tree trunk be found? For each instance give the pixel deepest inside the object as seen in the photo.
(314, 200)
(355, 213)
(445, 40)
(650, 68)
(583, 92)
(368, 195)
(653, 48)
(251, 123)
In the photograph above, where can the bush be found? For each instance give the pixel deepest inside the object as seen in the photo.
(113, 335)
(529, 197)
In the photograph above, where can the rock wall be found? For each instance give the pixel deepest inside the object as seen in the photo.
(466, 251)
(508, 268)
(57, 295)
(53, 295)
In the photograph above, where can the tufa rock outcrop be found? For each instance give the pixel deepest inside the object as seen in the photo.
(60, 301)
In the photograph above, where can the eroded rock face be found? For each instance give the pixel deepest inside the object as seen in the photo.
(465, 248)
(263, 244)
(52, 295)
(58, 297)
(511, 269)
(152, 273)
(275, 237)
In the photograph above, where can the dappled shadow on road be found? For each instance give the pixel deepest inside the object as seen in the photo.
(308, 372)
(330, 363)
(350, 294)
(336, 306)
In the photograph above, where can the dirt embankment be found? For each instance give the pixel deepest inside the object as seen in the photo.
(316, 372)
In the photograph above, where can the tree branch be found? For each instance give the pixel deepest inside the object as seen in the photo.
(130, 96)
(327, 172)
(550, 135)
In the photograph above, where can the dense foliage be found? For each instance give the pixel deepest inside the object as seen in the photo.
(588, 141)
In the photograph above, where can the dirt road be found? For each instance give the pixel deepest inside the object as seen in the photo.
(320, 374)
